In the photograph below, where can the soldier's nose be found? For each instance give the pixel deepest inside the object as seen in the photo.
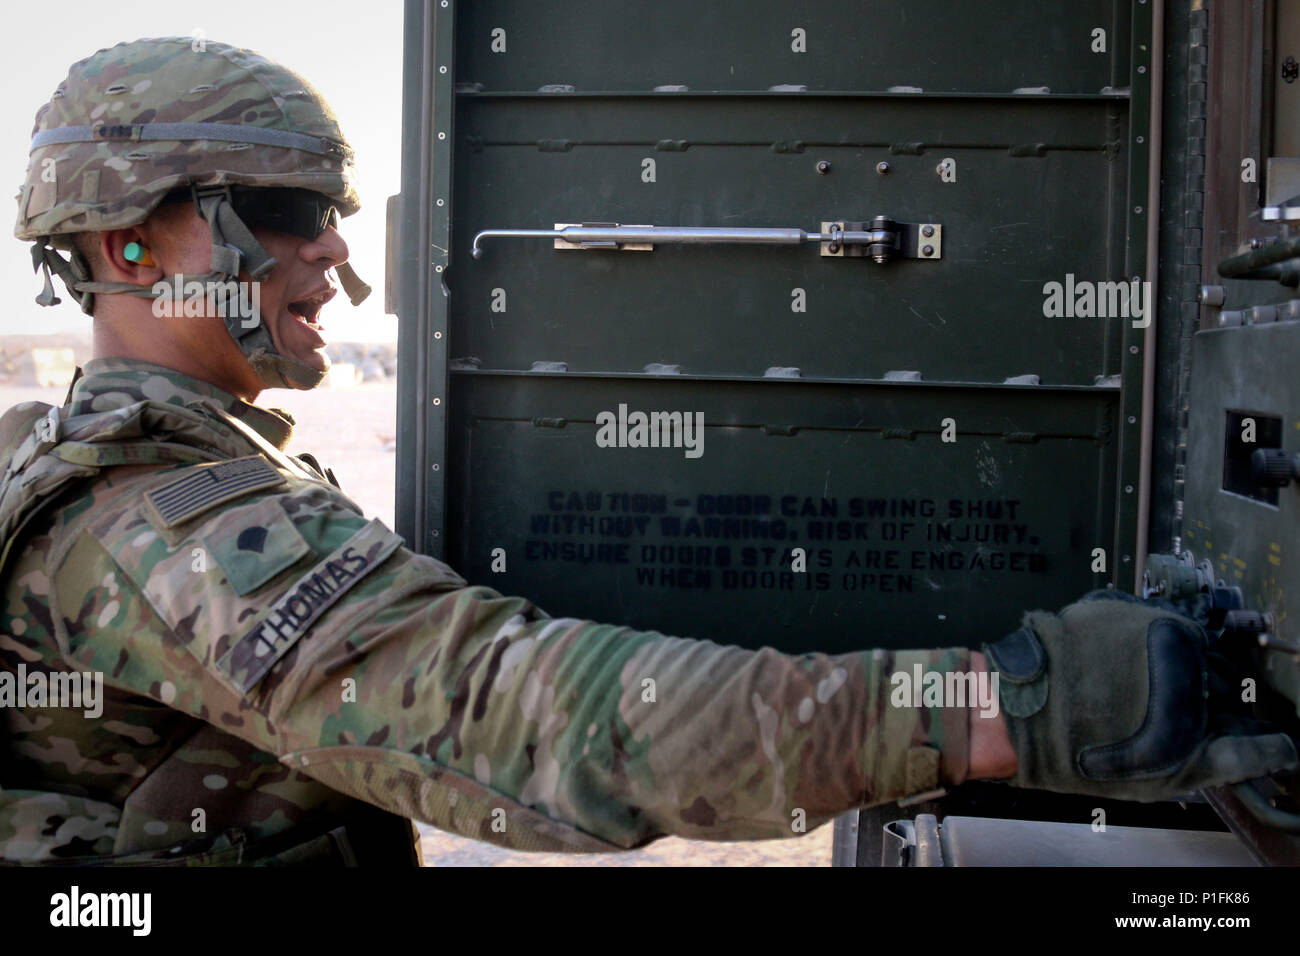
(329, 248)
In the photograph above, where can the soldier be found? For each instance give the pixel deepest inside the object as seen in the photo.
(285, 682)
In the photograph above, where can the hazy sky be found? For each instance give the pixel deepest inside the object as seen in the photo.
(351, 52)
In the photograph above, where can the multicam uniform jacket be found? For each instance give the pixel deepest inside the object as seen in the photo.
(274, 663)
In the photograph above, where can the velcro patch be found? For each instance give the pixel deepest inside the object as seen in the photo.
(255, 543)
(252, 655)
(205, 486)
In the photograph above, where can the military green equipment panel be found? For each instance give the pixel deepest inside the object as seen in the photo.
(1246, 399)
(944, 438)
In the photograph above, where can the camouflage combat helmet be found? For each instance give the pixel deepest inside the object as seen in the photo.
(137, 121)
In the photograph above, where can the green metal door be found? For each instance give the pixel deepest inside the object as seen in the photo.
(897, 453)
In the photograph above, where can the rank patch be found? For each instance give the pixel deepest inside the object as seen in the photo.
(205, 486)
(255, 543)
(252, 655)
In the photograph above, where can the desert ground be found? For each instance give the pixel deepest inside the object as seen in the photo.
(351, 430)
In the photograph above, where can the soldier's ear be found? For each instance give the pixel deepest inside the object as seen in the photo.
(126, 256)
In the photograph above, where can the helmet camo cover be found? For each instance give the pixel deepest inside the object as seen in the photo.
(139, 119)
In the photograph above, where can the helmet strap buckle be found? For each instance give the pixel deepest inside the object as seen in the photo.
(203, 192)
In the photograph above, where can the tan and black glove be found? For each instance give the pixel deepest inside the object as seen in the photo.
(1122, 698)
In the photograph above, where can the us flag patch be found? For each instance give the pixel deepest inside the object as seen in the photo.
(205, 486)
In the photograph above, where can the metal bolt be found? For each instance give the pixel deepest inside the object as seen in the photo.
(437, 335)
(823, 167)
(442, 136)
(436, 467)
(1142, 69)
(1133, 349)
(1128, 489)
(882, 168)
(437, 268)
(1141, 140)
(437, 401)
(1256, 243)
(927, 231)
(440, 202)
(927, 250)
(1138, 210)
(837, 233)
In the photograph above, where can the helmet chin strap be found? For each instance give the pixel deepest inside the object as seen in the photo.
(233, 245)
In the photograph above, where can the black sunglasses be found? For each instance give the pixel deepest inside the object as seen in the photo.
(298, 212)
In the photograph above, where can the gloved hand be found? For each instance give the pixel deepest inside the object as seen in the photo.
(1122, 698)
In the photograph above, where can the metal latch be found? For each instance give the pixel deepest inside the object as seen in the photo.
(881, 239)
(593, 243)
(886, 239)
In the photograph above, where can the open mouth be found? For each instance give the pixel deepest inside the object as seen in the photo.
(307, 309)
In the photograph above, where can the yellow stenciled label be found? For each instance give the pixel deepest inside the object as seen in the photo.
(1274, 559)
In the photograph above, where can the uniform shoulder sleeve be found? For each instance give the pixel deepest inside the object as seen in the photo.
(286, 617)
(236, 560)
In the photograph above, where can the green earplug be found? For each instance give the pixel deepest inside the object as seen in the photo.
(137, 253)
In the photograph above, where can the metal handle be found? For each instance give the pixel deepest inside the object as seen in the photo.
(1263, 811)
(883, 240)
(617, 235)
